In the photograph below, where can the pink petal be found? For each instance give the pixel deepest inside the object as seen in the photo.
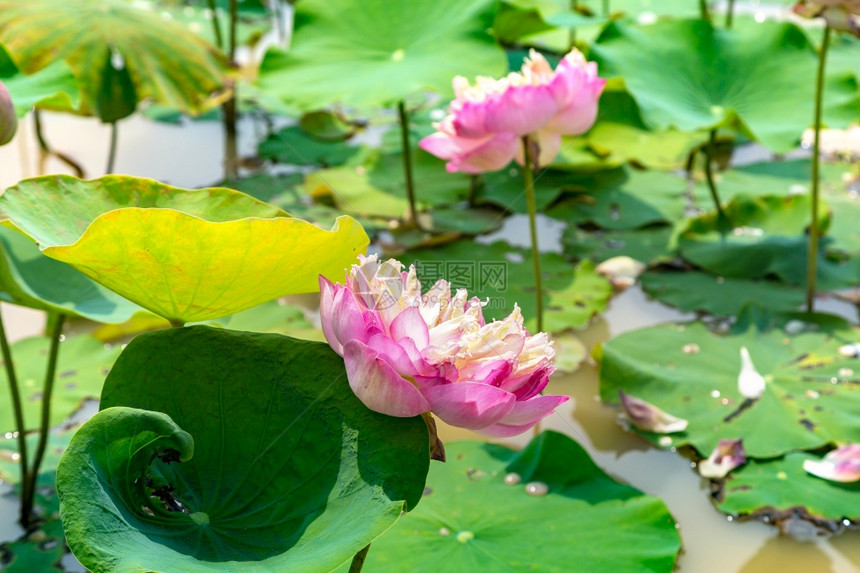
(410, 324)
(728, 455)
(493, 154)
(520, 109)
(469, 119)
(579, 115)
(446, 146)
(524, 416)
(340, 317)
(327, 290)
(549, 142)
(840, 465)
(648, 417)
(468, 404)
(378, 385)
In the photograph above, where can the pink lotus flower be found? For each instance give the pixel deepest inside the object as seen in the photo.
(8, 120)
(408, 353)
(841, 464)
(840, 14)
(487, 121)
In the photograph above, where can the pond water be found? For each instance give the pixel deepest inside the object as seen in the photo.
(191, 156)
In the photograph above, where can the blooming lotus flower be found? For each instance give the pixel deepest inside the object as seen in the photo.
(728, 455)
(407, 353)
(648, 417)
(8, 120)
(487, 121)
(841, 464)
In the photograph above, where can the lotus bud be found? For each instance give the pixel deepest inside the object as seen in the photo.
(648, 417)
(622, 272)
(728, 455)
(8, 120)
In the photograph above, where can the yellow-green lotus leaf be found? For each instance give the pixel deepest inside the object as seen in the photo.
(186, 255)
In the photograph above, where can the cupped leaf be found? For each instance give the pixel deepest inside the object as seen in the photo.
(471, 519)
(811, 396)
(29, 278)
(114, 48)
(503, 276)
(756, 78)
(386, 44)
(82, 366)
(182, 254)
(768, 238)
(780, 491)
(289, 471)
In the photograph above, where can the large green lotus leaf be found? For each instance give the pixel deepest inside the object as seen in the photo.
(29, 278)
(273, 316)
(504, 275)
(81, 369)
(620, 135)
(386, 44)
(768, 239)
(622, 199)
(780, 490)
(695, 291)
(119, 52)
(274, 462)
(506, 188)
(471, 520)
(811, 396)
(646, 244)
(176, 252)
(757, 78)
(52, 88)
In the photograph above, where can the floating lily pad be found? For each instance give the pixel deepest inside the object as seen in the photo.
(114, 48)
(504, 275)
(780, 491)
(178, 252)
(646, 244)
(39, 551)
(506, 188)
(276, 466)
(473, 520)
(694, 291)
(622, 199)
(82, 366)
(811, 396)
(433, 184)
(29, 278)
(294, 146)
(464, 220)
(768, 238)
(386, 44)
(620, 135)
(757, 78)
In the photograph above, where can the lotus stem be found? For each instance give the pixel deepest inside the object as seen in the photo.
(812, 258)
(528, 181)
(46, 149)
(216, 25)
(730, 14)
(709, 174)
(23, 458)
(703, 10)
(114, 135)
(48, 390)
(606, 7)
(231, 153)
(407, 160)
(358, 560)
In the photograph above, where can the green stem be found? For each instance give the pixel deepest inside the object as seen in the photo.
(528, 181)
(216, 24)
(26, 498)
(812, 259)
(358, 560)
(709, 174)
(606, 7)
(231, 149)
(46, 149)
(407, 160)
(703, 10)
(730, 14)
(475, 184)
(47, 392)
(114, 135)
